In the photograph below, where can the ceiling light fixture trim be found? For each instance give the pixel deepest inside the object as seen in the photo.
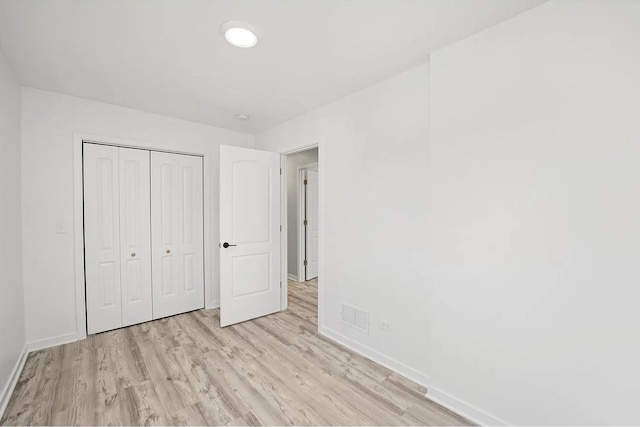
(240, 34)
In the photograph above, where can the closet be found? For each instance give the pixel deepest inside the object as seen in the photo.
(144, 236)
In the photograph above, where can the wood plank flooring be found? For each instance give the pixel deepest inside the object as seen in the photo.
(186, 370)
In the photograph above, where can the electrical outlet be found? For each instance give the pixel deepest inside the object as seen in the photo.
(385, 325)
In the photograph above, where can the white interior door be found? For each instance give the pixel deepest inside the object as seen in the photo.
(102, 242)
(312, 228)
(249, 234)
(177, 233)
(135, 236)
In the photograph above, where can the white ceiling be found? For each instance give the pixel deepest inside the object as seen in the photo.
(168, 56)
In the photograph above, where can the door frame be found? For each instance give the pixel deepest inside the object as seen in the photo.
(321, 226)
(78, 217)
(302, 242)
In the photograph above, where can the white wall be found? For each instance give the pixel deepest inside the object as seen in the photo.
(503, 246)
(373, 162)
(294, 161)
(536, 216)
(504, 249)
(49, 121)
(11, 294)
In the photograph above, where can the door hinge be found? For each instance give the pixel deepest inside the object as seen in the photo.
(281, 228)
(280, 171)
(305, 182)
(305, 262)
(281, 284)
(305, 222)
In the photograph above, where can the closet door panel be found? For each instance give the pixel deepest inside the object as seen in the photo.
(164, 233)
(102, 239)
(135, 236)
(191, 232)
(177, 233)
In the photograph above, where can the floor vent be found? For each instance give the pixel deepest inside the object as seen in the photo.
(355, 317)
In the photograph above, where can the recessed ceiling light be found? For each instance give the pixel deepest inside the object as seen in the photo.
(242, 117)
(239, 34)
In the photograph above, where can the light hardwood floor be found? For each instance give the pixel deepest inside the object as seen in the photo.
(186, 370)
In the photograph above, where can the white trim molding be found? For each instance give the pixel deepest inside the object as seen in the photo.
(52, 342)
(28, 348)
(460, 407)
(374, 355)
(464, 409)
(284, 261)
(13, 380)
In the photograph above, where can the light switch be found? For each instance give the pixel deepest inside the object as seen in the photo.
(61, 227)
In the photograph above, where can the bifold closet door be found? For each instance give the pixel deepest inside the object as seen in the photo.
(135, 236)
(117, 242)
(102, 238)
(177, 233)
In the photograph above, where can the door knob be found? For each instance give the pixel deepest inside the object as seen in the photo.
(226, 245)
(133, 254)
(168, 251)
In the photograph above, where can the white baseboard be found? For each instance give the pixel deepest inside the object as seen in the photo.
(386, 361)
(13, 380)
(460, 407)
(467, 410)
(51, 342)
(292, 277)
(17, 370)
(214, 304)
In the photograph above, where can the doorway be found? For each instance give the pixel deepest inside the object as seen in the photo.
(255, 187)
(302, 170)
